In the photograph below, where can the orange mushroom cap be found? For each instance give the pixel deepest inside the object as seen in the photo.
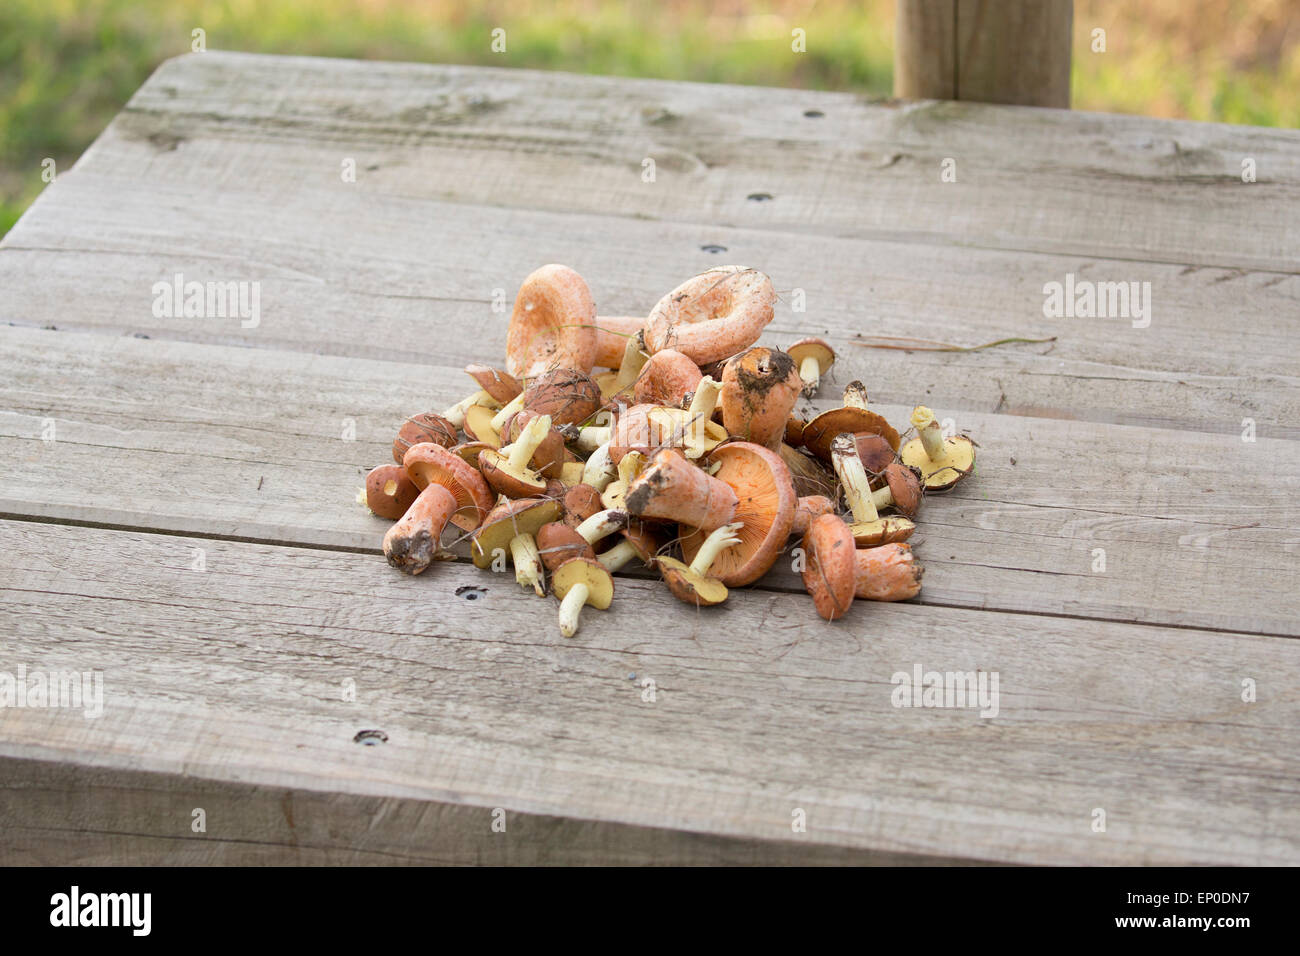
(612, 333)
(427, 463)
(830, 574)
(887, 573)
(390, 491)
(667, 378)
(553, 324)
(712, 315)
(759, 390)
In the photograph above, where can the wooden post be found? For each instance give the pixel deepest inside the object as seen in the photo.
(993, 51)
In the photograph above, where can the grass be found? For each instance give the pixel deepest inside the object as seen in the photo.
(67, 66)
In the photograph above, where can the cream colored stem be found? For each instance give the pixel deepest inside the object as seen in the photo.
(571, 607)
(592, 437)
(810, 371)
(928, 430)
(630, 465)
(882, 497)
(634, 359)
(617, 557)
(599, 471)
(857, 486)
(521, 452)
(855, 395)
(602, 524)
(456, 414)
(698, 416)
(717, 542)
(500, 418)
(528, 563)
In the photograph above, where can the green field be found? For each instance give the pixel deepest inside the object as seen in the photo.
(66, 66)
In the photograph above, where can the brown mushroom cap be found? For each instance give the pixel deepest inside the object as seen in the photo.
(553, 324)
(522, 483)
(904, 487)
(689, 586)
(390, 491)
(580, 503)
(508, 520)
(874, 451)
(830, 574)
(421, 428)
(765, 503)
(887, 573)
(712, 315)
(816, 348)
(568, 395)
(666, 379)
(502, 386)
(794, 431)
(958, 461)
(558, 542)
(600, 582)
(645, 537)
(760, 387)
(427, 463)
(821, 431)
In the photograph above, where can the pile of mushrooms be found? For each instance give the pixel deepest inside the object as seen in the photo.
(684, 455)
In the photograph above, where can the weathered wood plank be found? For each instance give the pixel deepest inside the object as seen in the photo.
(250, 443)
(236, 675)
(380, 276)
(1073, 183)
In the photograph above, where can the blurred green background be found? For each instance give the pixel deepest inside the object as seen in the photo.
(66, 66)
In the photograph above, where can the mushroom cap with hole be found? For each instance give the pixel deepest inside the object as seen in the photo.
(505, 480)
(427, 463)
(887, 573)
(568, 395)
(690, 587)
(420, 428)
(600, 583)
(666, 379)
(558, 542)
(815, 348)
(551, 453)
(884, 530)
(469, 450)
(904, 487)
(478, 425)
(504, 522)
(821, 431)
(765, 503)
(553, 324)
(957, 462)
(390, 491)
(612, 333)
(502, 386)
(830, 571)
(760, 388)
(712, 315)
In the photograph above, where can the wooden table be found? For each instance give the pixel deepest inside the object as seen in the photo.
(178, 512)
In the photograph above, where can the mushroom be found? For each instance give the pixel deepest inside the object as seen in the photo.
(691, 583)
(511, 528)
(591, 437)
(558, 542)
(902, 490)
(829, 573)
(568, 395)
(599, 471)
(553, 324)
(668, 377)
(875, 452)
(478, 425)
(579, 582)
(887, 573)
(794, 431)
(648, 428)
(452, 491)
(456, 413)
(807, 509)
(942, 461)
(612, 333)
(550, 455)
(868, 528)
(751, 485)
(390, 491)
(507, 470)
(423, 427)
(641, 539)
(712, 315)
(580, 503)
(853, 417)
(618, 382)
(813, 356)
(629, 467)
(495, 389)
(759, 390)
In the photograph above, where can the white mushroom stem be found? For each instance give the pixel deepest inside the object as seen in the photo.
(855, 395)
(592, 437)
(700, 413)
(602, 524)
(618, 557)
(571, 607)
(810, 372)
(520, 453)
(928, 431)
(853, 477)
(528, 563)
(456, 414)
(882, 497)
(717, 542)
(500, 418)
(599, 471)
(634, 359)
